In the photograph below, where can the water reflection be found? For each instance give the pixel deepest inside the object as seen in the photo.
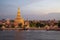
(29, 35)
(19, 35)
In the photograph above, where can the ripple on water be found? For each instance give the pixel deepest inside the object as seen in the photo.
(30, 35)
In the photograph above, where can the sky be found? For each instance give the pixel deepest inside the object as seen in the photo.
(30, 9)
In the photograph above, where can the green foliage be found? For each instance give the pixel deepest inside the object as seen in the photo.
(59, 24)
(11, 20)
(1, 25)
(40, 25)
(32, 24)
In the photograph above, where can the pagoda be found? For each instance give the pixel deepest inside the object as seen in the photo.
(19, 19)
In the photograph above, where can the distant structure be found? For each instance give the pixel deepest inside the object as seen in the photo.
(7, 21)
(19, 19)
(26, 24)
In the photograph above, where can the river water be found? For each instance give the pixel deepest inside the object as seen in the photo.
(29, 35)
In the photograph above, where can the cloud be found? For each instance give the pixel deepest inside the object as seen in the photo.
(45, 6)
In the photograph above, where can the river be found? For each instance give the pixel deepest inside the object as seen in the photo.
(29, 35)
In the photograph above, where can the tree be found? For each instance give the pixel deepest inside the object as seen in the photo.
(32, 24)
(39, 24)
(20, 25)
(1, 25)
(12, 25)
(59, 24)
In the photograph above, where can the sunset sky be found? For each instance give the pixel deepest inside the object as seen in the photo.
(31, 9)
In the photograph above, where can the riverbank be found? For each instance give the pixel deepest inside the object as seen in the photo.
(57, 29)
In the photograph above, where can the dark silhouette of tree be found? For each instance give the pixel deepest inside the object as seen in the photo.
(20, 25)
(32, 24)
(1, 25)
(59, 24)
(39, 24)
(12, 26)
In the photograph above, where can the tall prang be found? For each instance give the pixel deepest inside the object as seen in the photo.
(19, 19)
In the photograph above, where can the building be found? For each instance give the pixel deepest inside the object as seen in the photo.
(19, 19)
(26, 24)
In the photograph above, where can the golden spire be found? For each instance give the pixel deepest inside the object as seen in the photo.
(18, 13)
(19, 19)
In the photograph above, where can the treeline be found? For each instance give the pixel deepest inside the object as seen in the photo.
(31, 24)
(36, 24)
(43, 24)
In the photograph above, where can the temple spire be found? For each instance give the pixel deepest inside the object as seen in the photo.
(19, 19)
(19, 13)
